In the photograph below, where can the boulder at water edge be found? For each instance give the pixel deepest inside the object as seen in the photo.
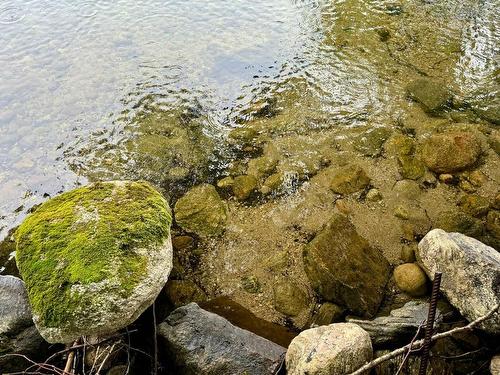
(471, 273)
(338, 349)
(343, 268)
(93, 259)
(200, 342)
(17, 331)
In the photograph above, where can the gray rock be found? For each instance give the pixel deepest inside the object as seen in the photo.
(471, 273)
(200, 342)
(338, 349)
(18, 333)
(15, 310)
(400, 326)
(344, 269)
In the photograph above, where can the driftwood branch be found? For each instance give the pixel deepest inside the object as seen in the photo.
(418, 344)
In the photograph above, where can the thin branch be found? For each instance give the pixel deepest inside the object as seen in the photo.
(419, 343)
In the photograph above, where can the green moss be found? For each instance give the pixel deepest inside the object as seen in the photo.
(86, 236)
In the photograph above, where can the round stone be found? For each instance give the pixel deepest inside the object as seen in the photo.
(411, 279)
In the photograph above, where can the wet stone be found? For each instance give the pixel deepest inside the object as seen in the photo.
(289, 298)
(455, 221)
(433, 96)
(244, 186)
(408, 253)
(182, 292)
(328, 313)
(474, 205)
(373, 195)
(370, 142)
(201, 211)
(410, 167)
(349, 179)
(451, 152)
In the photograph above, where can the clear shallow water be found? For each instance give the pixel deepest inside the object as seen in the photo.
(72, 69)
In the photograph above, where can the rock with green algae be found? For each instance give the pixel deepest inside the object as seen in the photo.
(349, 179)
(244, 186)
(94, 258)
(289, 298)
(201, 211)
(370, 142)
(344, 269)
(433, 96)
(451, 152)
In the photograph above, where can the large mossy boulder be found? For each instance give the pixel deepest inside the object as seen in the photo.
(201, 211)
(451, 152)
(343, 268)
(94, 258)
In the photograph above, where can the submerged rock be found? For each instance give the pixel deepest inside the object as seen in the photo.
(370, 142)
(343, 268)
(244, 186)
(349, 179)
(400, 326)
(201, 211)
(433, 96)
(451, 152)
(338, 349)
(17, 331)
(411, 279)
(200, 342)
(95, 258)
(289, 298)
(471, 273)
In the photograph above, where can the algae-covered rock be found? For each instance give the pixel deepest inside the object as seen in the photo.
(411, 279)
(370, 142)
(432, 95)
(451, 152)
(411, 167)
(182, 292)
(474, 204)
(328, 313)
(94, 258)
(343, 268)
(201, 211)
(349, 179)
(244, 186)
(289, 298)
(251, 284)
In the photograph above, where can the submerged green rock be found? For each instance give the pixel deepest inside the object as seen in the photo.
(201, 211)
(94, 258)
(432, 95)
(349, 179)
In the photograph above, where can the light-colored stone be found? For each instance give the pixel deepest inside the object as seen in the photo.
(495, 365)
(338, 349)
(471, 273)
(15, 311)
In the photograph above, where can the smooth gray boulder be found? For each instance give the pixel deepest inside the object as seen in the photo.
(18, 333)
(338, 349)
(471, 273)
(200, 342)
(400, 325)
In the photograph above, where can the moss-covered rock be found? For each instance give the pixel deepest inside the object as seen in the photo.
(201, 211)
(349, 179)
(451, 152)
(370, 142)
(244, 186)
(411, 279)
(93, 259)
(411, 167)
(289, 298)
(344, 269)
(474, 204)
(433, 96)
(251, 284)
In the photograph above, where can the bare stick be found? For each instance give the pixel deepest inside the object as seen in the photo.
(155, 365)
(106, 358)
(419, 343)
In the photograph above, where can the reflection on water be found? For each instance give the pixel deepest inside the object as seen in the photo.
(76, 74)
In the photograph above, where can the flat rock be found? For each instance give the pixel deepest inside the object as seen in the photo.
(344, 269)
(94, 258)
(471, 273)
(432, 95)
(338, 349)
(200, 342)
(400, 326)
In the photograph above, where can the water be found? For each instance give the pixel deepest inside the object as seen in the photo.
(74, 73)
